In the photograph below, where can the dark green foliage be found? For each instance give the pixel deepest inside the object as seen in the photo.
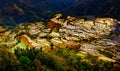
(62, 59)
(25, 61)
(50, 62)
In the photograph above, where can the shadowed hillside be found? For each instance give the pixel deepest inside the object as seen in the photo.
(98, 8)
(13, 12)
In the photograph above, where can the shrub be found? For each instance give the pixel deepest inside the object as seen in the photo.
(50, 62)
(8, 61)
(25, 61)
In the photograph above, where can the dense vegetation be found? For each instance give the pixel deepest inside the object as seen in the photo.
(57, 59)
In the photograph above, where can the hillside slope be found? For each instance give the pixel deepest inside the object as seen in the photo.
(98, 8)
(13, 12)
